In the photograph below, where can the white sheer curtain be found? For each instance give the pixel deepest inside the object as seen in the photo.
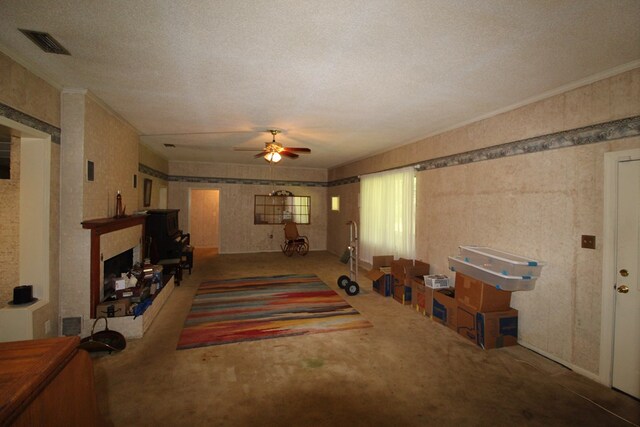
(387, 214)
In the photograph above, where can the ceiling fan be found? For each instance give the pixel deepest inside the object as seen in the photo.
(273, 151)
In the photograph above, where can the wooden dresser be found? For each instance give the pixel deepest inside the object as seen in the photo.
(47, 382)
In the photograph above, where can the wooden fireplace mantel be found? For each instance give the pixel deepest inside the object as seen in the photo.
(99, 227)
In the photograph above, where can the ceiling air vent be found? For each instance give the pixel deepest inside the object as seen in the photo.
(45, 41)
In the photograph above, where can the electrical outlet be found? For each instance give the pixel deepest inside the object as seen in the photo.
(588, 242)
(47, 327)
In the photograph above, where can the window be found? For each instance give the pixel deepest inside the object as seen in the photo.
(281, 209)
(387, 214)
(335, 203)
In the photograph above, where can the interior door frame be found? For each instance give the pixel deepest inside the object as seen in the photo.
(607, 313)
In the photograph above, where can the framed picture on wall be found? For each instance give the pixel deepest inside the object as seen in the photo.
(147, 192)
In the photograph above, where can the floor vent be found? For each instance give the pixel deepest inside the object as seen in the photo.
(45, 41)
(71, 326)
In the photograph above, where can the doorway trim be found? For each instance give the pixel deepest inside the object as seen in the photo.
(607, 312)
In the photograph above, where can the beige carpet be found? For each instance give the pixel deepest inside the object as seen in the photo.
(405, 371)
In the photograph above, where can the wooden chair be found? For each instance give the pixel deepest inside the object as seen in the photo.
(293, 241)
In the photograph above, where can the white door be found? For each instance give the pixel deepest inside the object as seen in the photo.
(626, 351)
(203, 218)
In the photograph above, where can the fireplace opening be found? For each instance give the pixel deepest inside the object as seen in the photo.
(113, 268)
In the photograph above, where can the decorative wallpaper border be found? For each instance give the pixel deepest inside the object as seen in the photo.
(32, 122)
(344, 181)
(142, 168)
(603, 132)
(245, 181)
(609, 131)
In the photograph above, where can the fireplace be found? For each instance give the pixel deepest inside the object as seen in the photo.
(110, 237)
(113, 268)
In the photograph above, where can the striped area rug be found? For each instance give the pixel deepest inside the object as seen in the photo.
(256, 308)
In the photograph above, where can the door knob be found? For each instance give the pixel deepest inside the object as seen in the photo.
(623, 289)
(624, 273)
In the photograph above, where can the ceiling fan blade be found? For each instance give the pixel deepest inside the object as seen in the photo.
(289, 154)
(247, 149)
(298, 149)
(152, 135)
(261, 154)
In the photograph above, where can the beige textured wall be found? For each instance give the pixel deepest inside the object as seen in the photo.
(337, 230)
(605, 100)
(9, 227)
(152, 160)
(92, 132)
(237, 231)
(112, 145)
(536, 205)
(54, 238)
(74, 240)
(149, 158)
(25, 92)
(28, 93)
(50, 311)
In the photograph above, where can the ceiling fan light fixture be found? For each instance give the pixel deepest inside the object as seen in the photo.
(274, 151)
(273, 157)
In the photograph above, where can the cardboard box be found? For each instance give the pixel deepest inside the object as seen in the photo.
(497, 329)
(402, 294)
(381, 261)
(375, 274)
(115, 308)
(445, 308)
(384, 285)
(403, 270)
(398, 270)
(422, 298)
(427, 305)
(479, 296)
(466, 327)
(418, 270)
(416, 288)
(488, 330)
(380, 274)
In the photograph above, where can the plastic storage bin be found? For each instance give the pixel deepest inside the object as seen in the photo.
(500, 281)
(436, 281)
(501, 262)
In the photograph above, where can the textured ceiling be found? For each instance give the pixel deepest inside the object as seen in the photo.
(344, 78)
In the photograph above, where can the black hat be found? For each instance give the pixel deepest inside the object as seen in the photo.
(23, 294)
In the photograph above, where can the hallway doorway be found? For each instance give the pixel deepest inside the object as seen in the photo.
(204, 212)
